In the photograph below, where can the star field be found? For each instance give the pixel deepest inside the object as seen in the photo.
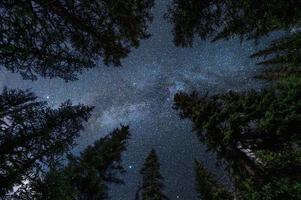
(141, 94)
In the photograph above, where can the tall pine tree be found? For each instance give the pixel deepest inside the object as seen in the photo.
(222, 19)
(246, 19)
(61, 38)
(282, 58)
(33, 135)
(256, 133)
(208, 187)
(152, 180)
(85, 177)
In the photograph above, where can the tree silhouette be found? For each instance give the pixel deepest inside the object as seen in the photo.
(222, 19)
(85, 177)
(282, 58)
(62, 38)
(246, 19)
(255, 133)
(33, 135)
(208, 187)
(152, 180)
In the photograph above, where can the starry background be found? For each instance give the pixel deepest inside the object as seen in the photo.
(140, 94)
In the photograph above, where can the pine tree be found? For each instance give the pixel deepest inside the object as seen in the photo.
(208, 187)
(61, 38)
(281, 188)
(222, 19)
(33, 135)
(246, 19)
(282, 58)
(255, 133)
(152, 182)
(218, 122)
(85, 177)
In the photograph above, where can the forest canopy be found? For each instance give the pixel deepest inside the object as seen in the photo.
(255, 133)
(63, 38)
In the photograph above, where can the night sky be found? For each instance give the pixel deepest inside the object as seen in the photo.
(140, 93)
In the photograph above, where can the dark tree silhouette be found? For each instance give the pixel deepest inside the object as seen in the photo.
(208, 187)
(246, 19)
(256, 133)
(33, 135)
(62, 38)
(222, 19)
(282, 58)
(85, 177)
(152, 180)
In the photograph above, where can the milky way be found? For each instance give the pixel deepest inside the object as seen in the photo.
(140, 93)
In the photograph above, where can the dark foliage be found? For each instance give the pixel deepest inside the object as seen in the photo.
(85, 177)
(208, 187)
(222, 19)
(152, 180)
(33, 135)
(62, 38)
(246, 19)
(256, 133)
(282, 58)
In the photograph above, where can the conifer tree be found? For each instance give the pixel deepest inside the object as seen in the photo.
(256, 133)
(85, 177)
(33, 135)
(61, 38)
(282, 58)
(208, 187)
(246, 19)
(152, 180)
(222, 19)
